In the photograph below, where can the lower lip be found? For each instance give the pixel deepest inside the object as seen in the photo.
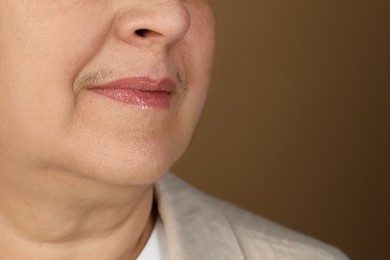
(142, 99)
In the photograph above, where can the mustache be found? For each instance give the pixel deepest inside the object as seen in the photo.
(93, 78)
(98, 77)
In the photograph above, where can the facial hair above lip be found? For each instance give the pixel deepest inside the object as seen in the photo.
(93, 79)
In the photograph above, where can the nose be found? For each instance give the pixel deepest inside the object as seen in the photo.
(153, 22)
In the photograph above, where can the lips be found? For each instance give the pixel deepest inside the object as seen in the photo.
(140, 91)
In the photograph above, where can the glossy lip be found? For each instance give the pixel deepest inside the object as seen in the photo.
(143, 92)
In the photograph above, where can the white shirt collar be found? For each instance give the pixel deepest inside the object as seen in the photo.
(156, 247)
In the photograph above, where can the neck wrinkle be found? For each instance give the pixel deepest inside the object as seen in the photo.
(32, 220)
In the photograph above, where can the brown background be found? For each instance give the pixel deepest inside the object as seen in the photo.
(296, 126)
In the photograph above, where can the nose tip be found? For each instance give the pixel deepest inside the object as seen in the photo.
(164, 23)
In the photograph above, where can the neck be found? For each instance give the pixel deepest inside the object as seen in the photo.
(52, 215)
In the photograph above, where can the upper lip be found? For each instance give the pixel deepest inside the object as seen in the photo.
(140, 83)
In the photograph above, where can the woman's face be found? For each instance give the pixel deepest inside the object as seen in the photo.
(53, 55)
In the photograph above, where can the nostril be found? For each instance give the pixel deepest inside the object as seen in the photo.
(143, 32)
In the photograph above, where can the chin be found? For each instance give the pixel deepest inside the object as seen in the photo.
(133, 163)
(128, 173)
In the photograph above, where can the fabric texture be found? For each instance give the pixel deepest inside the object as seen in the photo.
(156, 247)
(200, 227)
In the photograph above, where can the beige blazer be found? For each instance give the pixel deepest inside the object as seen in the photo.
(200, 227)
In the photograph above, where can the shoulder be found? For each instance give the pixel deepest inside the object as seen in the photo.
(229, 227)
(256, 234)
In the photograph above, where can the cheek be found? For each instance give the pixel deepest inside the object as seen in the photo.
(200, 44)
(198, 49)
(41, 52)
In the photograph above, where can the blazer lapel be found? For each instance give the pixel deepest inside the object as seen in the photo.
(195, 230)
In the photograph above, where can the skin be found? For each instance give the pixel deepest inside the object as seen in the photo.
(76, 168)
